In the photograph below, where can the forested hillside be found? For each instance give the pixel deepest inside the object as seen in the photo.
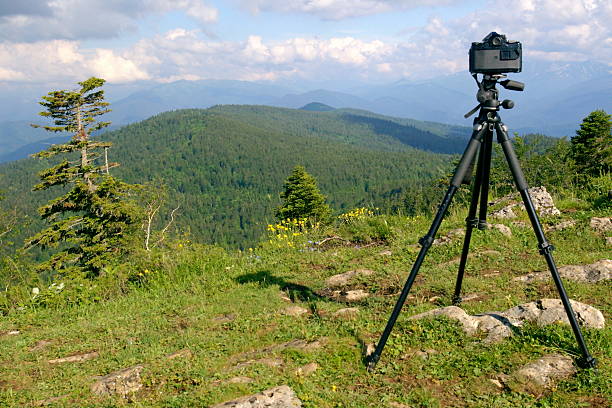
(225, 165)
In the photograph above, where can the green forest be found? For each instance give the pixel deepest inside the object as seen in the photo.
(225, 166)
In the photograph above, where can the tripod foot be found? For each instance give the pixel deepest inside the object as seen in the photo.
(587, 362)
(371, 361)
(457, 300)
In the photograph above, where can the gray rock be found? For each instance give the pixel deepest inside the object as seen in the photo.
(542, 201)
(346, 312)
(277, 397)
(505, 212)
(593, 273)
(450, 236)
(184, 353)
(343, 279)
(505, 230)
(76, 358)
(270, 362)
(601, 224)
(561, 226)
(122, 382)
(295, 311)
(385, 253)
(351, 296)
(307, 369)
(499, 325)
(546, 371)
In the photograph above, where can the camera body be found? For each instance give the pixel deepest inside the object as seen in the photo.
(496, 55)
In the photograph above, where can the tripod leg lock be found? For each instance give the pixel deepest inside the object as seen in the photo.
(546, 248)
(426, 241)
(472, 222)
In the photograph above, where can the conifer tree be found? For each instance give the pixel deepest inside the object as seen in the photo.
(92, 219)
(592, 146)
(302, 198)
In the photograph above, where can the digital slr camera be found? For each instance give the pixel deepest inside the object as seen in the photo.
(495, 55)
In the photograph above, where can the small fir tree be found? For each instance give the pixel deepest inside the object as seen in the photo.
(92, 219)
(302, 198)
(592, 146)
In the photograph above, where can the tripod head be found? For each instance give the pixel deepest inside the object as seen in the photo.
(487, 94)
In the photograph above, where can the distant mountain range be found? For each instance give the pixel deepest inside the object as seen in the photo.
(557, 97)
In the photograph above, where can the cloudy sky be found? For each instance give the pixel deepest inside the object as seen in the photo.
(43, 41)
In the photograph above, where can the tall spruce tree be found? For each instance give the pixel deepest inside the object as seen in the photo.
(302, 198)
(90, 221)
(592, 146)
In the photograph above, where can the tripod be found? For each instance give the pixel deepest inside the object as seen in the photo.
(481, 141)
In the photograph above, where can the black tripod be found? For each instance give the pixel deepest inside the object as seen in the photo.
(482, 139)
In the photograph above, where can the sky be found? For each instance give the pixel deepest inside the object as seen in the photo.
(371, 41)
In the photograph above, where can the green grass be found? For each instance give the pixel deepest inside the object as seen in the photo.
(178, 308)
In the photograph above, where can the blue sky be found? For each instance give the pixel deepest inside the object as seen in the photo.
(371, 41)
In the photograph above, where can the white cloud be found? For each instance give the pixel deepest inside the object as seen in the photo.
(86, 19)
(339, 9)
(547, 29)
(62, 60)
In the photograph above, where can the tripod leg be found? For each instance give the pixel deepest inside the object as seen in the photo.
(545, 247)
(427, 240)
(486, 176)
(471, 221)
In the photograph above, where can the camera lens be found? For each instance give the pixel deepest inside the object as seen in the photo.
(496, 41)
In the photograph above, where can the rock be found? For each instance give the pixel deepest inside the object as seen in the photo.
(343, 279)
(542, 201)
(240, 380)
(369, 349)
(505, 212)
(9, 333)
(560, 226)
(295, 311)
(501, 228)
(601, 224)
(548, 311)
(185, 353)
(351, 296)
(496, 383)
(385, 253)
(394, 404)
(425, 354)
(122, 382)
(609, 241)
(40, 344)
(596, 272)
(270, 362)
(450, 235)
(224, 318)
(499, 325)
(307, 369)
(277, 397)
(75, 358)
(547, 370)
(284, 297)
(347, 312)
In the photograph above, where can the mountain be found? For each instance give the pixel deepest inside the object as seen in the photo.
(317, 107)
(226, 165)
(557, 96)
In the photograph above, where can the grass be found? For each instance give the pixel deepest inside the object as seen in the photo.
(225, 308)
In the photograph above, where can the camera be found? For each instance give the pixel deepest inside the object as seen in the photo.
(495, 55)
